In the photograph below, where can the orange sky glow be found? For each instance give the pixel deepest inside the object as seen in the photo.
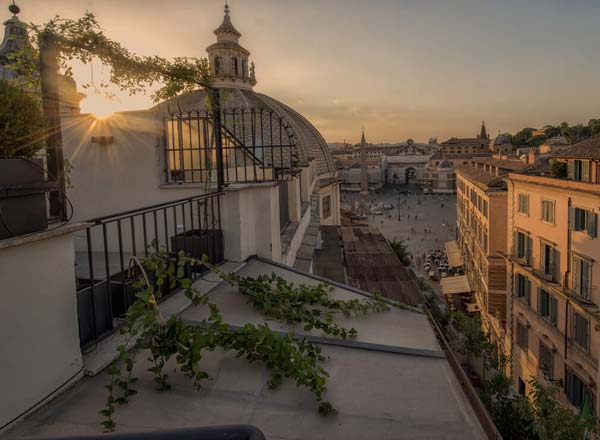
(406, 68)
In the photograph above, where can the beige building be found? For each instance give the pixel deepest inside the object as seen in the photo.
(439, 174)
(553, 273)
(481, 204)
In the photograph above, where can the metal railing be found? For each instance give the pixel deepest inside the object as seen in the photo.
(253, 145)
(104, 289)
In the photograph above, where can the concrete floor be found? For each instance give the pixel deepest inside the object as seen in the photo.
(429, 212)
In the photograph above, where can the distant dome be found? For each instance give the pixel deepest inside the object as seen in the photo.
(444, 165)
(501, 140)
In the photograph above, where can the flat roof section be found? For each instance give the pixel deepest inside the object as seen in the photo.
(393, 381)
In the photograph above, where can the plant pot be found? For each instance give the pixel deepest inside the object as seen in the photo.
(22, 197)
(122, 295)
(196, 243)
(94, 311)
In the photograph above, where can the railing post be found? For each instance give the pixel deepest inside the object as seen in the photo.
(51, 105)
(216, 113)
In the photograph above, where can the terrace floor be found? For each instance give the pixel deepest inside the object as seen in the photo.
(392, 382)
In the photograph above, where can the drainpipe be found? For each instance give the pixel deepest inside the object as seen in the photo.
(566, 283)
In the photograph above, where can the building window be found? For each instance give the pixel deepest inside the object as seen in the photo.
(523, 247)
(522, 336)
(523, 288)
(581, 331)
(583, 220)
(579, 170)
(485, 208)
(547, 305)
(326, 207)
(234, 66)
(244, 68)
(548, 211)
(218, 66)
(523, 204)
(522, 389)
(582, 277)
(574, 388)
(485, 242)
(548, 261)
(546, 361)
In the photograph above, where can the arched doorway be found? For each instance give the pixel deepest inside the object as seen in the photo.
(395, 179)
(411, 175)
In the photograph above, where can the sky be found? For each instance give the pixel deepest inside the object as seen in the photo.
(399, 68)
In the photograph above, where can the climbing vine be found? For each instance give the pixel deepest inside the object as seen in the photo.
(309, 305)
(172, 339)
(166, 340)
(83, 40)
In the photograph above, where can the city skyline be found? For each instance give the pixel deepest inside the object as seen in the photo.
(400, 69)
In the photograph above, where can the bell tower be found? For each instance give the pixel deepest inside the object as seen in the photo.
(228, 59)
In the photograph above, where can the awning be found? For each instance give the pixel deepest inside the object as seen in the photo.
(454, 254)
(455, 285)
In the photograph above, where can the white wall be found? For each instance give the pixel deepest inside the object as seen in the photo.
(38, 323)
(250, 221)
(127, 174)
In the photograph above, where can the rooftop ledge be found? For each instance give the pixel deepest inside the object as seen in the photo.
(54, 231)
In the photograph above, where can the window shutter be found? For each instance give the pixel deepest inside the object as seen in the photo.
(528, 246)
(585, 170)
(550, 262)
(539, 300)
(592, 220)
(585, 278)
(515, 251)
(570, 169)
(576, 275)
(572, 218)
(556, 268)
(528, 290)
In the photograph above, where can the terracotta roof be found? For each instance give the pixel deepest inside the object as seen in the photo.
(481, 178)
(372, 265)
(540, 168)
(506, 164)
(456, 141)
(587, 149)
(440, 155)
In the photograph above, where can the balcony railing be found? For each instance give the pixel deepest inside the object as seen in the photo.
(104, 289)
(253, 145)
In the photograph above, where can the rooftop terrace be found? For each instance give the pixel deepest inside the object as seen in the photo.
(392, 381)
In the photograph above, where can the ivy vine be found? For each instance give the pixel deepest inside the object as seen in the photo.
(167, 339)
(312, 306)
(170, 339)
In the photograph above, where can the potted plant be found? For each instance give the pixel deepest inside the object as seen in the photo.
(196, 243)
(22, 176)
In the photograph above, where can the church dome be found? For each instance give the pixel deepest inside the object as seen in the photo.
(237, 94)
(309, 142)
(444, 165)
(501, 140)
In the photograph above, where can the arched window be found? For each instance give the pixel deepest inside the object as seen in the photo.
(234, 67)
(218, 66)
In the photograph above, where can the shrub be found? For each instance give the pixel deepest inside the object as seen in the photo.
(22, 123)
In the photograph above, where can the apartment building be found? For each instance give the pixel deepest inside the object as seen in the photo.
(481, 203)
(553, 261)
